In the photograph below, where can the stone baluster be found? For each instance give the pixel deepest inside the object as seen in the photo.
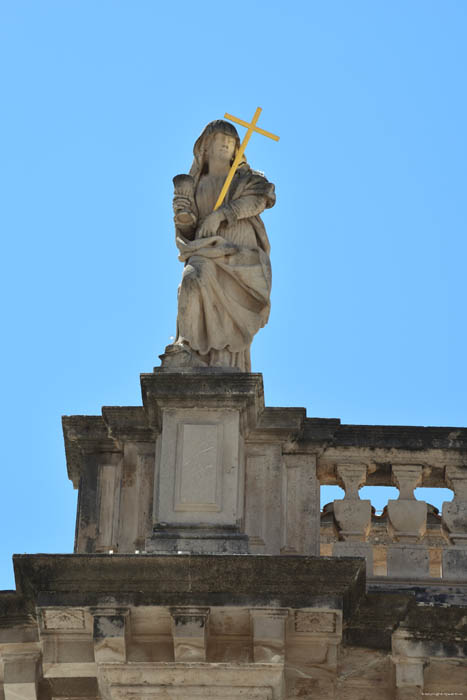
(455, 523)
(353, 515)
(407, 525)
(189, 631)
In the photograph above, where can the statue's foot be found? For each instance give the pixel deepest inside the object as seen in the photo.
(180, 356)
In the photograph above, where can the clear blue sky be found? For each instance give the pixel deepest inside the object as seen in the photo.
(101, 104)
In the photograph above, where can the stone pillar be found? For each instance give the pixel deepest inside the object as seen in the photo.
(21, 675)
(189, 630)
(128, 427)
(94, 460)
(353, 515)
(109, 634)
(455, 524)
(204, 417)
(407, 526)
(300, 506)
(263, 487)
(269, 634)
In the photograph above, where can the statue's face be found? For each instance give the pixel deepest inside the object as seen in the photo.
(222, 147)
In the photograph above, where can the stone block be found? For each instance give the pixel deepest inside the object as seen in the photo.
(455, 563)
(455, 520)
(194, 681)
(408, 562)
(20, 668)
(269, 635)
(20, 675)
(20, 691)
(355, 549)
(409, 693)
(409, 679)
(109, 634)
(189, 630)
(197, 540)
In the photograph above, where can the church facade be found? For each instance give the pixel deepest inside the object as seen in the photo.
(204, 568)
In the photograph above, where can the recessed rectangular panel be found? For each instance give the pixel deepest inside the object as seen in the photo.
(300, 510)
(198, 476)
(108, 485)
(198, 468)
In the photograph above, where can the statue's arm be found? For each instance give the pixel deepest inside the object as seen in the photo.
(245, 207)
(253, 195)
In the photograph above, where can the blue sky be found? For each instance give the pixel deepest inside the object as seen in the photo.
(101, 104)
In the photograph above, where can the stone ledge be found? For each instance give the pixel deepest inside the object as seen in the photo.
(429, 591)
(376, 619)
(127, 423)
(407, 437)
(277, 424)
(248, 580)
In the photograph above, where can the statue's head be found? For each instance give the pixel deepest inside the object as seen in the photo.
(219, 138)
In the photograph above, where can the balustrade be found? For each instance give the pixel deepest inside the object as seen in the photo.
(410, 539)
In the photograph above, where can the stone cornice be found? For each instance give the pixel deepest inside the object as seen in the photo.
(237, 390)
(128, 423)
(84, 435)
(274, 581)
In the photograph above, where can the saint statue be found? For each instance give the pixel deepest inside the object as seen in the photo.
(223, 298)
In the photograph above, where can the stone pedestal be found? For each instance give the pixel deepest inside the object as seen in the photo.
(203, 418)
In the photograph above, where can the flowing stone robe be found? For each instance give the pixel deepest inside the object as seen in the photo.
(224, 293)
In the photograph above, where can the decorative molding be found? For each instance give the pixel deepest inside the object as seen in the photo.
(315, 621)
(63, 619)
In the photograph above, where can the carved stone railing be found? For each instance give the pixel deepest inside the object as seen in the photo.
(410, 539)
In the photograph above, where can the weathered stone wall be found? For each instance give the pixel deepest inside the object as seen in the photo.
(204, 450)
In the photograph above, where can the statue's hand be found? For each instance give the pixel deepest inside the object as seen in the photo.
(180, 202)
(211, 224)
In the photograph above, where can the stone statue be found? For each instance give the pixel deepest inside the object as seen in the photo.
(223, 298)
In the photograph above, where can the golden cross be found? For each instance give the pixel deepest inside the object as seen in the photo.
(251, 127)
